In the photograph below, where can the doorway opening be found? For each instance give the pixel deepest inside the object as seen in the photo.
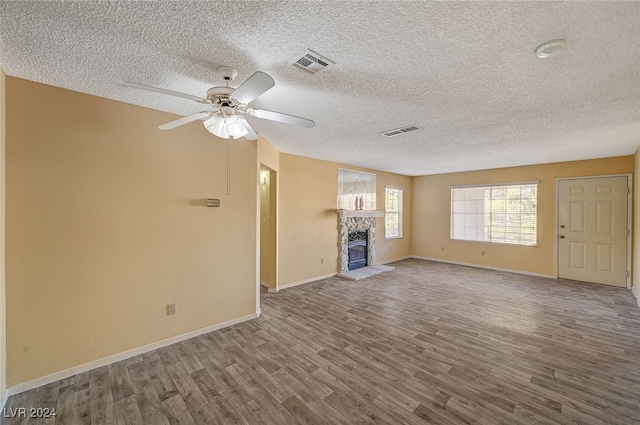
(268, 231)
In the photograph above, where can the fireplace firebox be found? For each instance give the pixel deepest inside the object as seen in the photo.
(357, 249)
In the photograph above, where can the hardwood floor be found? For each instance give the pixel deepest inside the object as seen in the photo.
(428, 343)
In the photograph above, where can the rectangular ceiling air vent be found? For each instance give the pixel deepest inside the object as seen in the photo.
(311, 62)
(399, 131)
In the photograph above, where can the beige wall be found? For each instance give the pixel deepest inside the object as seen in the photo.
(3, 335)
(431, 213)
(268, 156)
(105, 227)
(308, 229)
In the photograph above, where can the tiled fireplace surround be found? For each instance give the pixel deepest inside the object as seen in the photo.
(357, 220)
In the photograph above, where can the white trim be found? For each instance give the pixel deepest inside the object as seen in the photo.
(301, 282)
(400, 211)
(636, 293)
(56, 376)
(3, 400)
(459, 208)
(594, 177)
(556, 232)
(629, 228)
(270, 290)
(464, 186)
(259, 312)
(556, 247)
(394, 260)
(480, 266)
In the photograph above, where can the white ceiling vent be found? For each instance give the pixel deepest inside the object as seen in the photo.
(311, 61)
(399, 131)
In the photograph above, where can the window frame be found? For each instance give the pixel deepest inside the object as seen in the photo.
(399, 212)
(490, 225)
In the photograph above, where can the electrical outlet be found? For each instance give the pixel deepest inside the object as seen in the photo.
(441, 248)
(171, 309)
(389, 248)
(322, 261)
(482, 253)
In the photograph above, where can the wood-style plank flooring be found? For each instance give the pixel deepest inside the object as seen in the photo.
(428, 343)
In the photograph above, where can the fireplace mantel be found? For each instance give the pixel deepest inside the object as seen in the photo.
(360, 213)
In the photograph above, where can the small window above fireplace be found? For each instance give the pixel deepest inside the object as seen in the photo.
(356, 190)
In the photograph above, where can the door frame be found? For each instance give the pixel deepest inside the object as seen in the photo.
(274, 222)
(629, 219)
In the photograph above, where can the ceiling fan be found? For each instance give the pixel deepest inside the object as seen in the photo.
(226, 118)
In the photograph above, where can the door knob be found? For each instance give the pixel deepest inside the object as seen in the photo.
(561, 236)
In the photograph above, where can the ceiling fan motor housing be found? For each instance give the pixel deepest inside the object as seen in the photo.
(227, 73)
(220, 96)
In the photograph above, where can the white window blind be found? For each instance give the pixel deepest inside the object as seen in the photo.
(497, 213)
(393, 212)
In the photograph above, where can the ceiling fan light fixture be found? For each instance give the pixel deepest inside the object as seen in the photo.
(235, 128)
(226, 101)
(226, 126)
(217, 126)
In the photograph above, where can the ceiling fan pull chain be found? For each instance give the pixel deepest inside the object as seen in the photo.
(229, 166)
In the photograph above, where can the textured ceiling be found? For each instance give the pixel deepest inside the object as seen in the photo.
(465, 72)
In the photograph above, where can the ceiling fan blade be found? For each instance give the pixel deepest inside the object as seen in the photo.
(280, 117)
(163, 91)
(252, 134)
(185, 120)
(255, 85)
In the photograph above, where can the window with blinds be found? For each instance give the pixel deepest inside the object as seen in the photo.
(497, 213)
(393, 212)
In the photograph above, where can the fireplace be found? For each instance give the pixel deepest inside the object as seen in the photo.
(363, 221)
(357, 246)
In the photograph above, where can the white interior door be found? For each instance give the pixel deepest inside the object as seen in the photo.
(592, 230)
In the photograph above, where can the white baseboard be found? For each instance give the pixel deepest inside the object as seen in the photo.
(56, 376)
(326, 276)
(300, 282)
(269, 288)
(394, 260)
(480, 266)
(3, 400)
(635, 290)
